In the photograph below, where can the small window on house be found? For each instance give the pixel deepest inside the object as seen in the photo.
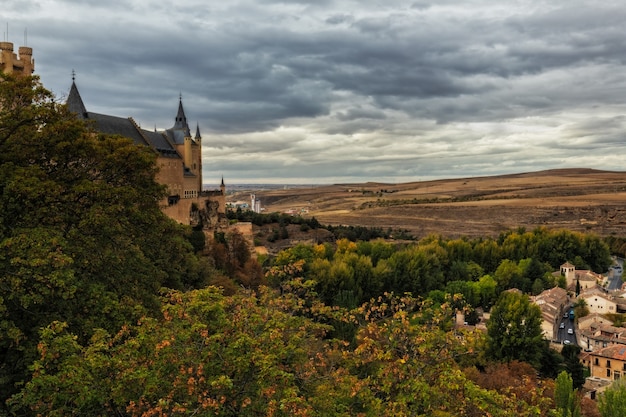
(597, 362)
(608, 363)
(608, 373)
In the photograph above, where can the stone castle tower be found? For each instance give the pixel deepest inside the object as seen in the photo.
(12, 63)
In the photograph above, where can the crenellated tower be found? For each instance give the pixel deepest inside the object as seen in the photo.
(11, 63)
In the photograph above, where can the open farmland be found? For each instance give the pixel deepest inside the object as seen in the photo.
(575, 199)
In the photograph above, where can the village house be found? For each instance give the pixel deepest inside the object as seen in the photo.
(606, 363)
(553, 303)
(598, 301)
(601, 337)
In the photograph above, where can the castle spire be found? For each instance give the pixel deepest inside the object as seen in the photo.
(198, 137)
(181, 119)
(74, 101)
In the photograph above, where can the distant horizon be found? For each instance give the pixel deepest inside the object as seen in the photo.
(276, 182)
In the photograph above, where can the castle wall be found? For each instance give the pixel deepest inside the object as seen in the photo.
(169, 174)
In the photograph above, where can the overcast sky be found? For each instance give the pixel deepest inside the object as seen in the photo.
(332, 91)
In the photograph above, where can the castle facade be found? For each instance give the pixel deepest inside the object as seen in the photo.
(179, 159)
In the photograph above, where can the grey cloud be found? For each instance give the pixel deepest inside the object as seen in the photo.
(351, 89)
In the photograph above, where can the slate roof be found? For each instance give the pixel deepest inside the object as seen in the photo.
(126, 127)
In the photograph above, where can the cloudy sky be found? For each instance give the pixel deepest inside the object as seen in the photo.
(332, 91)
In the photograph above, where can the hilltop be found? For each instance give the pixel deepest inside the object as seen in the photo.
(576, 199)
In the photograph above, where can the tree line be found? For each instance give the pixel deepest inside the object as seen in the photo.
(350, 273)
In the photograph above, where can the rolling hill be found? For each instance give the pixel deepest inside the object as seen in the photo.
(576, 199)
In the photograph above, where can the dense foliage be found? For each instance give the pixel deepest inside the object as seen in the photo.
(479, 269)
(82, 238)
(266, 354)
(352, 233)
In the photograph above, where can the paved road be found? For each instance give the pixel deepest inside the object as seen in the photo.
(562, 335)
(615, 275)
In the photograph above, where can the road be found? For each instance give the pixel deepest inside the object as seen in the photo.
(562, 334)
(615, 275)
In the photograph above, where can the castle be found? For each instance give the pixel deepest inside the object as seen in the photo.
(179, 154)
(179, 159)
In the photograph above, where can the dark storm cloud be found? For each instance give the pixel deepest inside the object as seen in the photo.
(342, 90)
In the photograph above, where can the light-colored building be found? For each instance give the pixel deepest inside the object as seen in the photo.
(593, 320)
(598, 301)
(601, 336)
(12, 63)
(586, 279)
(607, 363)
(553, 303)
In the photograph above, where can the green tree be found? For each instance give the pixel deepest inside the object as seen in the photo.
(612, 402)
(507, 275)
(573, 365)
(82, 237)
(514, 329)
(486, 290)
(565, 396)
(580, 308)
(264, 354)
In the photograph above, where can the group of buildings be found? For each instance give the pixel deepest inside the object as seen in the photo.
(603, 343)
(178, 151)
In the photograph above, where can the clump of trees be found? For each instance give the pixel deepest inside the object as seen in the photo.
(479, 269)
(82, 238)
(267, 354)
(352, 233)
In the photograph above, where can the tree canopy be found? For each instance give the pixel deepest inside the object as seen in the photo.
(82, 238)
(514, 329)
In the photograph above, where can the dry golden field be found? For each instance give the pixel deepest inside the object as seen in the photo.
(575, 199)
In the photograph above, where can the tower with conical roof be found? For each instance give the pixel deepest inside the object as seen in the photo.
(190, 148)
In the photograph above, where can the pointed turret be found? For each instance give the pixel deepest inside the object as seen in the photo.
(181, 119)
(75, 102)
(223, 186)
(198, 137)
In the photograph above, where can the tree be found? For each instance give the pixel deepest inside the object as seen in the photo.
(266, 353)
(514, 329)
(82, 238)
(580, 308)
(565, 396)
(574, 367)
(612, 402)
